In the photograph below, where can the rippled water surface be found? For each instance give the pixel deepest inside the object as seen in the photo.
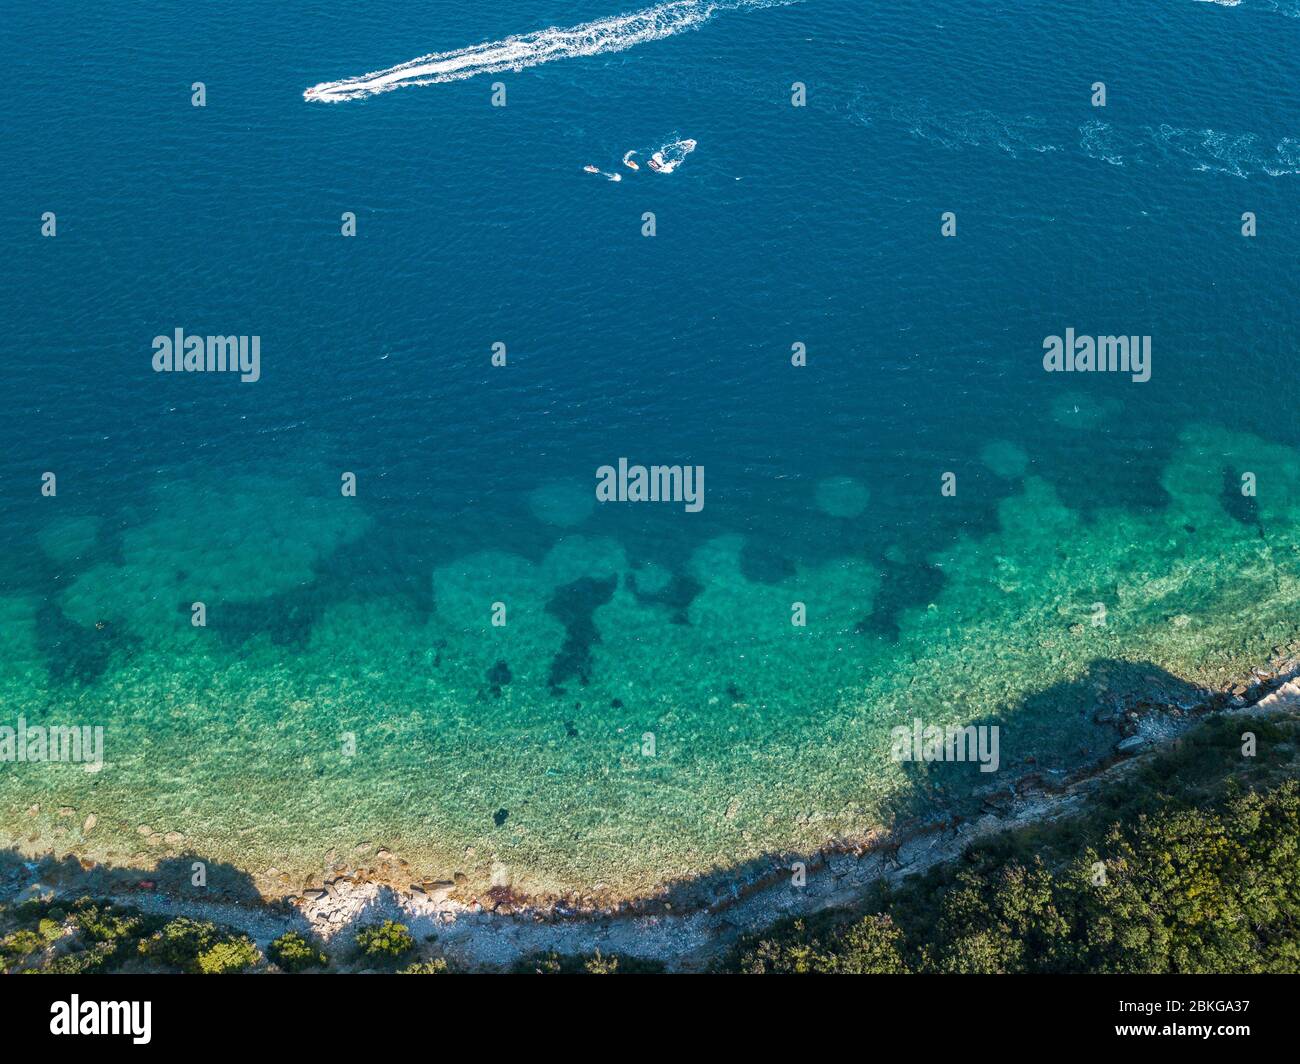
(647, 712)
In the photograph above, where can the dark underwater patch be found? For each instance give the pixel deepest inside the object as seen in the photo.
(1241, 508)
(573, 606)
(498, 676)
(74, 654)
(286, 618)
(760, 564)
(677, 596)
(903, 586)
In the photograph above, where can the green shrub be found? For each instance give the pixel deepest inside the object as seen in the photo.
(17, 945)
(294, 953)
(199, 946)
(180, 942)
(107, 923)
(597, 963)
(50, 930)
(869, 946)
(82, 962)
(388, 941)
(235, 954)
(437, 966)
(31, 910)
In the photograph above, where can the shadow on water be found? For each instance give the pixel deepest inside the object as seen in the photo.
(186, 875)
(1060, 733)
(1060, 730)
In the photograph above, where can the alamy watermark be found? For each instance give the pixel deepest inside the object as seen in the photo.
(1098, 354)
(972, 742)
(55, 743)
(77, 1017)
(179, 353)
(638, 483)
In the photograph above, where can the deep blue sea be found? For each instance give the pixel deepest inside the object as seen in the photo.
(476, 225)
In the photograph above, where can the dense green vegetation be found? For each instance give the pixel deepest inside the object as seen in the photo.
(385, 941)
(199, 946)
(292, 952)
(90, 936)
(575, 964)
(1191, 865)
(437, 966)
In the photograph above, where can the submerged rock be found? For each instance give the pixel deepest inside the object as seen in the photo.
(842, 496)
(562, 503)
(1005, 459)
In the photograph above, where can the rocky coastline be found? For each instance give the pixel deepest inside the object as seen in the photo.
(689, 925)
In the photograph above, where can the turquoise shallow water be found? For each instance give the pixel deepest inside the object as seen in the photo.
(647, 712)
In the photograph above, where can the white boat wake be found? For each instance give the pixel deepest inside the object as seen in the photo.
(670, 156)
(663, 161)
(614, 34)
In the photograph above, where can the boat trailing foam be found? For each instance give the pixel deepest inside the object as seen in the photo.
(613, 34)
(670, 156)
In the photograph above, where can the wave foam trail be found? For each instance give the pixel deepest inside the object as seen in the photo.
(614, 34)
(670, 156)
